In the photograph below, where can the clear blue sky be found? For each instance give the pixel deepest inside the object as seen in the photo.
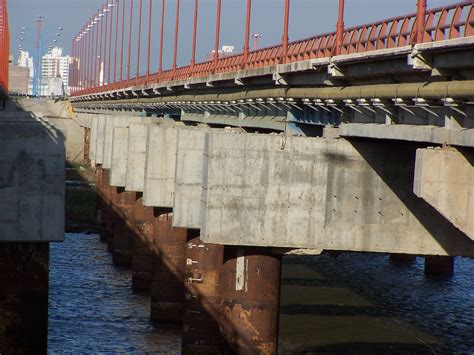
(308, 18)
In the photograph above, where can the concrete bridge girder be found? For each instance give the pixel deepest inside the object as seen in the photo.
(319, 193)
(369, 183)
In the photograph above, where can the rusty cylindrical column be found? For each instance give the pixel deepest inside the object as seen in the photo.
(167, 289)
(142, 260)
(106, 220)
(201, 334)
(123, 243)
(250, 290)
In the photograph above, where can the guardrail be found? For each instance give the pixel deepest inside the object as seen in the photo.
(4, 46)
(449, 22)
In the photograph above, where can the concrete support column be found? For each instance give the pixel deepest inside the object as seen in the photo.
(142, 260)
(123, 244)
(24, 271)
(113, 217)
(402, 258)
(167, 290)
(250, 289)
(439, 265)
(201, 333)
(106, 221)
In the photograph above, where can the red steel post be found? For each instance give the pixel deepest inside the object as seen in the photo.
(139, 39)
(111, 9)
(96, 53)
(193, 54)
(99, 57)
(176, 37)
(218, 33)
(130, 40)
(106, 30)
(117, 5)
(160, 65)
(285, 31)
(123, 38)
(339, 28)
(420, 21)
(150, 11)
(247, 31)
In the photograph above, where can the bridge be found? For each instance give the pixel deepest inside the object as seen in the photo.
(356, 140)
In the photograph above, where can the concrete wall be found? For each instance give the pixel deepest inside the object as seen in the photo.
(333, 194)
(73, 137)
(188, 178)
(31, 182)
(445, 179)
(118, 172)
(160, 166)
(137, 142)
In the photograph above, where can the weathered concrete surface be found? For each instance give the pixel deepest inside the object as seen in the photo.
(118, 171)
(333, 194)
(112, 121)
(137, 142)
(93, 139)
(445, 179)
(24, 269)
(31, 182)
(160, 166)
(188, 183)
(73, 137)
(100, 140)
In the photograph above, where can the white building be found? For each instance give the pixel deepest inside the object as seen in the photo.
(25, 61)
(55, 65)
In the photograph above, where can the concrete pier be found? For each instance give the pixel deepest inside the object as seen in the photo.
(201, 332)
(439, 265)
(123, 242)
(24, 272)
(402, 258)
(167, 290)
(144, 248)
(32, 204)
(250, 290)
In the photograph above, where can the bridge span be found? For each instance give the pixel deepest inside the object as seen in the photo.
(357, 140)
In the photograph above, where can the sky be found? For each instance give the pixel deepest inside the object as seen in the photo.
(308, 18)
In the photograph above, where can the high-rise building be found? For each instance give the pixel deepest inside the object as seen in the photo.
(55, 66)
(25, 61)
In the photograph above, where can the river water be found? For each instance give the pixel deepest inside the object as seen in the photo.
(357, 303)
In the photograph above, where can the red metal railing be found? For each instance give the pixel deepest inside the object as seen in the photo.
(449, 22)
(4, 46)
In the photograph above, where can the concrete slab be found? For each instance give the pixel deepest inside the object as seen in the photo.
(32, 158)
(445, 179)
(118, 171)
(269, 190)
(160, 166)
(188, 183)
